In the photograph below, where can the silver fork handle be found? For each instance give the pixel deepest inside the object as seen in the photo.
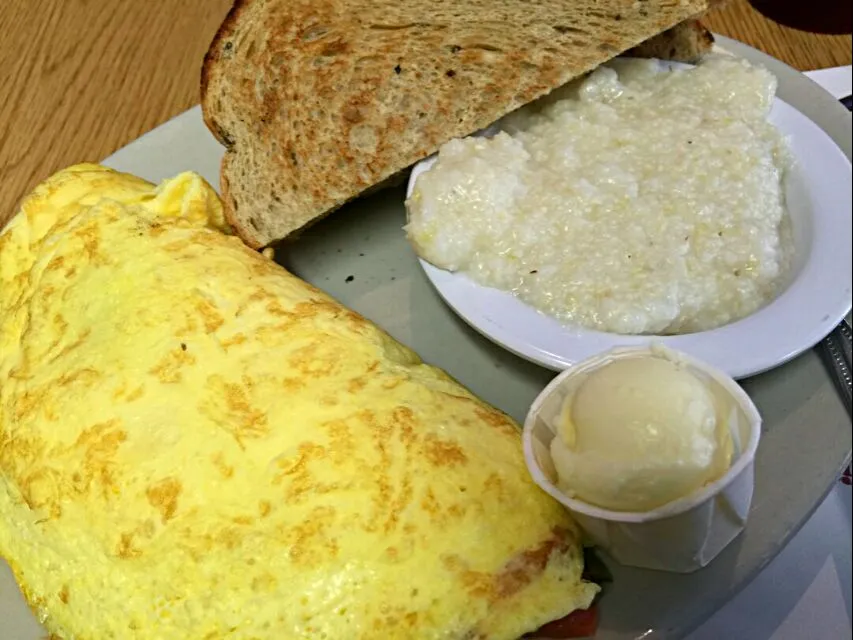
(837, 348)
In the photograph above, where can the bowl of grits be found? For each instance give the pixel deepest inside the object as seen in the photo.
(683, 203)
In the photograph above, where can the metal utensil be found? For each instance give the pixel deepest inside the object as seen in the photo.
(836, 352)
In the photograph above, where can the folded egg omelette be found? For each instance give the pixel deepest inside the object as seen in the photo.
(194, 443)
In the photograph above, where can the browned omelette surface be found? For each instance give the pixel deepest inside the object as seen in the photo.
(196, 444)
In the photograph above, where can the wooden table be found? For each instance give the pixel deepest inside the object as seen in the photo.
(82, 78)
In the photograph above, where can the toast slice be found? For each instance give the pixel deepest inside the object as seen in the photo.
(687, 41)
(318, 100)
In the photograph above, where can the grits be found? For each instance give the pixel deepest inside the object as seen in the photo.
(638, 200)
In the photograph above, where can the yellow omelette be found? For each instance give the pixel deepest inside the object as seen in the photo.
(194, 443)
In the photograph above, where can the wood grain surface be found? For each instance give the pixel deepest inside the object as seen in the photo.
(82, 78)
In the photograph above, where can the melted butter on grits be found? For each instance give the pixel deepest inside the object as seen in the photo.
(196, 444)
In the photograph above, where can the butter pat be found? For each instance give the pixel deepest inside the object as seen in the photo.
(639, 433)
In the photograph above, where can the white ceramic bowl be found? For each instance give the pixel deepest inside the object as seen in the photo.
(819, 193)
(683, 535)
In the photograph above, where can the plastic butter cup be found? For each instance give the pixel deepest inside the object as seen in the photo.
(683, 535)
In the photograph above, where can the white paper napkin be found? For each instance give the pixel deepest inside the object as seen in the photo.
(836, 80)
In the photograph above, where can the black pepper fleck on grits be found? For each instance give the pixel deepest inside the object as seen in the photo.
(350, 278)
(183, 346)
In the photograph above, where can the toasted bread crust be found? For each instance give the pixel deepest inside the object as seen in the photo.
(211, 58)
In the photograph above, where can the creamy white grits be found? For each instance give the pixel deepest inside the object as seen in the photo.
(638, 200)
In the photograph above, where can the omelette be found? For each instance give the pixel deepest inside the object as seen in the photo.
(194, 443)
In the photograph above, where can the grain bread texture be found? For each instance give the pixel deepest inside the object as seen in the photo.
(688, 41)
(318, 100)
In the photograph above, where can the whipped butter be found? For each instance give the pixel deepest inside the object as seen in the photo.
(638, 433)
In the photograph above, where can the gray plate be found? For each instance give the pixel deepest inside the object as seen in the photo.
(807, 435)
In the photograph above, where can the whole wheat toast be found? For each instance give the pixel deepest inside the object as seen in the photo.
(318, 100)
(685, 42)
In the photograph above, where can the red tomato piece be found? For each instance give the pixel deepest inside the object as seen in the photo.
(582, 623)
